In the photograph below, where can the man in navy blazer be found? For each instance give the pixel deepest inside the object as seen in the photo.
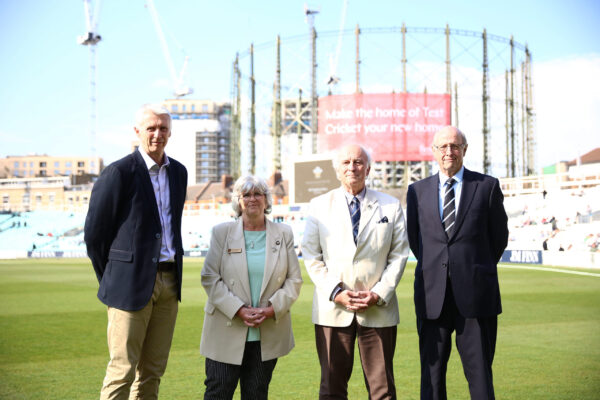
(458, 231)
(133, 238)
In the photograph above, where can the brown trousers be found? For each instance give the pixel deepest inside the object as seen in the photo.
(335, 346)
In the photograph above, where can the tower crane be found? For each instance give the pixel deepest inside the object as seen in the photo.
(180, 89)
(310, 19)
(309, 15)
(333, 79)
(91, 39)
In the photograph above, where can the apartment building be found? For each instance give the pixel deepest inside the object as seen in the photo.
(31, 166)
(200, 138)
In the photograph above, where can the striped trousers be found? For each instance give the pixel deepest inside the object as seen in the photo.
(254, 376)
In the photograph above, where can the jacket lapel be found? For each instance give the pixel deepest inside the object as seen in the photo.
(367, 211)
(174, 189)
(273, 245)
(433, 202)
(143, 178)
(236, 241)
(469, 187)
(341, 216)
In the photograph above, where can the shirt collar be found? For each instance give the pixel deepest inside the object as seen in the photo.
(350, 196)
(150, 163)
(458, 177)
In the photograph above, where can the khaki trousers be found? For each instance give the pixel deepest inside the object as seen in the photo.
(139, 344)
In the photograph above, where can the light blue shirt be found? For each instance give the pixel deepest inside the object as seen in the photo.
(442, 189)
(160, 183)
(360, 196)
(256, 242)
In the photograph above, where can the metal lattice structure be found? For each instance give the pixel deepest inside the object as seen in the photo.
(488, 78)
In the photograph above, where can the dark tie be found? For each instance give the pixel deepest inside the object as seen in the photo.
(449, 214)
(355, 216)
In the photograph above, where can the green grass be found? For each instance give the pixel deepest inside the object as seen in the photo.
(53, 338)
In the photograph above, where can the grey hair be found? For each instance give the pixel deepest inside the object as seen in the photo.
(246, 184)
(156, 109)
(337, 157)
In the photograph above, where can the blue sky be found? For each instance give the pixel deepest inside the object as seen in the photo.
(44, 104)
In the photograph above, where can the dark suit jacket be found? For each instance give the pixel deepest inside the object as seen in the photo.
(123, 230)
(471, 254)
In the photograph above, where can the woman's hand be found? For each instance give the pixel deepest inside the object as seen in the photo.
(255, 316)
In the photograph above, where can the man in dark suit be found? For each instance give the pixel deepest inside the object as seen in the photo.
(457, 230)
(133, 238)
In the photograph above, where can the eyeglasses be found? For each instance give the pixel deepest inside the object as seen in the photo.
(248, 196)
(454, 148)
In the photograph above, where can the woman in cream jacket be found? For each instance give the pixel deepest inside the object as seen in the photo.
(252, 277)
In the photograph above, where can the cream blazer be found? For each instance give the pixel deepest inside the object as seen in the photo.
(375, 263)
(225, 279)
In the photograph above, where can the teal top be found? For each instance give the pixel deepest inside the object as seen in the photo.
(256, 242)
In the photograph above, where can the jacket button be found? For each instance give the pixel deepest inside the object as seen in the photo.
(158, 235)
(228, 323)
(154, 259)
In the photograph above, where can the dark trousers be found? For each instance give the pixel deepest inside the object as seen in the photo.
(476, 344)
(335, 346)
(254, 376)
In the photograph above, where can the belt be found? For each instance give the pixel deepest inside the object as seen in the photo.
(166, 266)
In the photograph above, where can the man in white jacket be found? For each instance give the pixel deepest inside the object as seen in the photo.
(355, 249)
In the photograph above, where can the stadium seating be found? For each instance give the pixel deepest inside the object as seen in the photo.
(565, 218)
(42, 230)
(196, 229)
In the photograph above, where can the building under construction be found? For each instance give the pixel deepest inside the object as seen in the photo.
(283, 91)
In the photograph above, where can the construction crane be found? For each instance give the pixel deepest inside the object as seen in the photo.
(91, 39)
(310, 20)
(180, 89)
(309, 15)
(333, 79)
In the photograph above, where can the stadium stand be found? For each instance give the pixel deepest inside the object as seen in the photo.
(547, 214)
(42, 230)
(562, 218)
(196, 229)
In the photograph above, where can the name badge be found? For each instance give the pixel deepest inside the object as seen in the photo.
(229, 251)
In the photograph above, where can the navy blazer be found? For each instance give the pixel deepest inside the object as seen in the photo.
(123, 231)
(471, 254)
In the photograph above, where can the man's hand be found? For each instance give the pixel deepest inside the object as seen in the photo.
(367, 298)
(356, 301)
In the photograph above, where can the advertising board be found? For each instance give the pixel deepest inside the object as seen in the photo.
(392, 126)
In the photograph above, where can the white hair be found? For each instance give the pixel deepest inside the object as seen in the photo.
(156, 109)
(247, 184)
(337, 156)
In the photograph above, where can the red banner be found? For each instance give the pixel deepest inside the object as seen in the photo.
(392, 126)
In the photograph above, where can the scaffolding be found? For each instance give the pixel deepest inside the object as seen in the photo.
(397, 59)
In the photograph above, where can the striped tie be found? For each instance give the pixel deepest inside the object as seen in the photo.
(449, 214)
(355, 216)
